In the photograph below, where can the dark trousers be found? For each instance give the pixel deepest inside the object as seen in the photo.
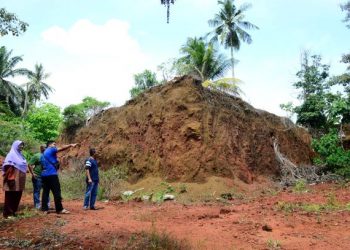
(51, 183)
(12, 199)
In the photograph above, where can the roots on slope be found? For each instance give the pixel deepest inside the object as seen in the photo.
(291, 173)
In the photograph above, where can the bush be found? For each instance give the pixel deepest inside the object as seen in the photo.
(16, 130)
(74, 117)
(331, 154)
(45, 121)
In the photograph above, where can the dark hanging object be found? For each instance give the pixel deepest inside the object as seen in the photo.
(167, 4)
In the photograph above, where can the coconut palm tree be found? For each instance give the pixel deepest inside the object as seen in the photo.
(35, 88)
(229, 27)
(9, 91)
(203, 60)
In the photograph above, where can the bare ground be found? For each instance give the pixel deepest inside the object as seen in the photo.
(271, 220)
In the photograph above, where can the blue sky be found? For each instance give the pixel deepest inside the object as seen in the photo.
(93, 48)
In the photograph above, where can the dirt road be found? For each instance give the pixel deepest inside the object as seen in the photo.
(272, 221)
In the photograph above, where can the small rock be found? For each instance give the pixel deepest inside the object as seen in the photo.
(225, 211)
(128, 193)
(267, 228)
(168, 197)
(146, 197)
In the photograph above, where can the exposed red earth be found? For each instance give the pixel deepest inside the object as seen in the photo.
(181, 131)
(236, 224)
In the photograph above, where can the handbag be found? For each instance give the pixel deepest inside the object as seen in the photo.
(10, 177)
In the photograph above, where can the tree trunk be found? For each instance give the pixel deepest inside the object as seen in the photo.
(25, 102)
(233, 64)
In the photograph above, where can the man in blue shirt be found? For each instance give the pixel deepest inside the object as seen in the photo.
(92, 180)
(49, 176)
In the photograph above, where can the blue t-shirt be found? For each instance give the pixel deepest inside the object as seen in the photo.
(91, 165)
(48, 159)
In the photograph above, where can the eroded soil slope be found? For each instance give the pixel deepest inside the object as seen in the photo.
(182, 131)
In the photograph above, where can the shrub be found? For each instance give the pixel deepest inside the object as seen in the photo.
(16, 130)
(331, 154)
(44, 122)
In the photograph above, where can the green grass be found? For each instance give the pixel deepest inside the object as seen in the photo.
(300, 186)
(73, 183)
(273, 244)
(332, 204)
(23, 213)
(155, 241)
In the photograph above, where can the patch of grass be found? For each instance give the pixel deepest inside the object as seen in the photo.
(271, 191)
(60, 222)
(332, 204)
(73, 183)
(26, 212)
(286, 206)
(14, 243)
(155, 241)
(273, 244)
(300, 186)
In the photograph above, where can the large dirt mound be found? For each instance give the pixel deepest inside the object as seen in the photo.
(182, 131)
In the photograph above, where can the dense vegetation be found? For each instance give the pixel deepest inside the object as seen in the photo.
(22, 114)
(324, 109)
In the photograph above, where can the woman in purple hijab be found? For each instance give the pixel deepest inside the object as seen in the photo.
(14, 171)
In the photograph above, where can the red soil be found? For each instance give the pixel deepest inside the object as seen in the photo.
(235, 225)
(181, 131)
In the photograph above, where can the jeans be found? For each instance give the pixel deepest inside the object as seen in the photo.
(37, 185)
(90, 194)
(51, 183)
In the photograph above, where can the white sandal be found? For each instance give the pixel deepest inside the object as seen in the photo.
(64, 211)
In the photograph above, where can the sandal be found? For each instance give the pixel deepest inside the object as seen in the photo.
(64, 211)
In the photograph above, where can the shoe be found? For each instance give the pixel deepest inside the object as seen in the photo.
(85, 208)
(45, 212)
(64, 211)
(93, 208)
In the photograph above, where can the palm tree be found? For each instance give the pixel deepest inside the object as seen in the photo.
(229, 27)
(35, 88)
(202, 60)
(9, 91)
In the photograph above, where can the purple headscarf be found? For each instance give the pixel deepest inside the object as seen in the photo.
(15, 158)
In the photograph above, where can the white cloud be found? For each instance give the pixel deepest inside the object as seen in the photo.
(93, 60)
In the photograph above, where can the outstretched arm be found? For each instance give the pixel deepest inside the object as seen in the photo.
(65, 147)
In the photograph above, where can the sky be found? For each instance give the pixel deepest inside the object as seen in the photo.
(93, 47)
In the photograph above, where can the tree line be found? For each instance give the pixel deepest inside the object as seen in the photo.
(325, 109)
(22, 115)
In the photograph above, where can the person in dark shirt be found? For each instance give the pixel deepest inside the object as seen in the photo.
(49, 176)
(35, 169)
(92, 180)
